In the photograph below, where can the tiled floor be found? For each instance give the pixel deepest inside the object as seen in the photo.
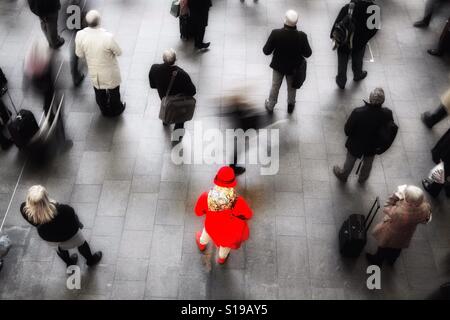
(137, 206)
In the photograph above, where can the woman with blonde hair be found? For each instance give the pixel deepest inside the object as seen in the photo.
(57, 223)
(404, 210)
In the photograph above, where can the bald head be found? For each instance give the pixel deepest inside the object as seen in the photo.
(169, 56)
(93, 18)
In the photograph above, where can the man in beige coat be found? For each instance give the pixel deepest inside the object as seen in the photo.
(100, 50)
(404, 210)
(431, 118)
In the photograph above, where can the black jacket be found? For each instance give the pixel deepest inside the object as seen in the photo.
(362, 128)
(441, 151)
(360, 16)
(43, 8)
(63, 227)
(160, 75)
(199, 11)
(289, 47)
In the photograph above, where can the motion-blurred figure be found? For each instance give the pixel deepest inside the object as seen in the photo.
(199, 11)
(431, 6)
(101, 50)
(47, 11)
(444, 41)
(430, 119)
(40, 70)
(5, 114)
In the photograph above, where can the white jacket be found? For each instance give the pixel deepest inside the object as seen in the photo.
(100, 50)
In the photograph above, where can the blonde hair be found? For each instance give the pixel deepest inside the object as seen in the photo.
(220, 198)
(39, 208)
(414, 195)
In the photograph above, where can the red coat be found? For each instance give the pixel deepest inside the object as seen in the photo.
(224, 227)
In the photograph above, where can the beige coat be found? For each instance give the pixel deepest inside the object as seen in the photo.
(399, 223)
(445, 99)
(100, 50)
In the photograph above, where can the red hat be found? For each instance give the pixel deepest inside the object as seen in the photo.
(225, 178)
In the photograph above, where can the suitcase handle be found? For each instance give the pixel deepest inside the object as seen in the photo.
(372, 211)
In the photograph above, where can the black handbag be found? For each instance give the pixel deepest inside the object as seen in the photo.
(299, 75)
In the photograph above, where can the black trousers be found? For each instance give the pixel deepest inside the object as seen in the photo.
(387, 254)
(344, 55)
(4, 115)
(199, 34)
(74, 64)
(109, 101)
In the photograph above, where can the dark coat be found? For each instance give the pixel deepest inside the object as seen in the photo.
(362, 129)
(160, 75)
(199, 11)
(289, 47)
(441, 151)
(43, 8)
(63, 227)
(360, 16)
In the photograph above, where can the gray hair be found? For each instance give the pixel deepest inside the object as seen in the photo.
(377, 97)
(414, 195)
(93, 18)
(169, 56)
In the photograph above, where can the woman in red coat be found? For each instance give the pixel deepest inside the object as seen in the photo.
(226, 215)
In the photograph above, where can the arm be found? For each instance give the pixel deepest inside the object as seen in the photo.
(114, 47)
(78, 50)
(340, 16)
(242, 210)
(350, 124)
(151, 77)
(269, 46)
(190, 87)
(306, 50)
(201, 207)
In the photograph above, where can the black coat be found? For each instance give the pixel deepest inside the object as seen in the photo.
(160, 75)
(289, 47)
(63, 227)
(199, 11)
(362, 129)
(441, 151)
(43, 8)
(362, 34)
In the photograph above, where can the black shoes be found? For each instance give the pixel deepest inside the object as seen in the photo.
(291, 107)
(70, 260)
(435, 52)
(59, 44)
(340, 84)
(203, 46)
(338, 173)
(95, 259)
(237, 170)
(424, 23)
(362, 76)
(426, 119)
(77, 82)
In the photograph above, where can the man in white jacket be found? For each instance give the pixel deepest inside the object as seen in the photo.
(100, 50)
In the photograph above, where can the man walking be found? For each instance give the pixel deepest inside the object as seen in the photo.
(47, 11)
(362, 129)
(290, 47)
(431, 6)
(199, 11)
(351, 33)
(100, 50)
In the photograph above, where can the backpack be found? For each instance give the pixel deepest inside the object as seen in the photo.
(344, 30)
(386, 136)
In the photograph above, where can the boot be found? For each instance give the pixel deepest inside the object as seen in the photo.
(430, 119)
(431, 187)
(291, 107)
(91, 259)
(70, 260)
(425, 22)
(237, 169)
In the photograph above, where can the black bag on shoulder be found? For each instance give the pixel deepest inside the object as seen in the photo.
(344, 30)
(386, 136)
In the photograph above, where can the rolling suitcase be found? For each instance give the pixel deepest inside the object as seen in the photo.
(22, 127)
(177, 108)
(353, 233)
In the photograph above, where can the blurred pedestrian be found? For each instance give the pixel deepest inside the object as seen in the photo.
(161, 75)
(199, 12)
(47, 11)
(58, 224)
(5, 114)
(430, 119)
(363, 131)
(404, 210)
(226, 216)
(431, 7)
(351, 34)
(101, 50)
(444, 41)
(290, 47)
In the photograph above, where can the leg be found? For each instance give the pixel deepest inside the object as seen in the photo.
(91, 259)
(342, 174)
(115, 104)
(66, 257)
(341, 78)
(357, 64)
(5, 114)
(202, 239)
(199, 36)
(378, 257)
(5, 143)
(430, 6)
(223, 254)
(51, 30)
(77, 76)
(102, 100)
(430, 119)
(238, 170)
(366, 168)
(277, 79)
(292, 92)
(392, 255)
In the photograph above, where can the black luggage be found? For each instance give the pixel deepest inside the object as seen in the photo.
(353, 233)
(22, 127)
